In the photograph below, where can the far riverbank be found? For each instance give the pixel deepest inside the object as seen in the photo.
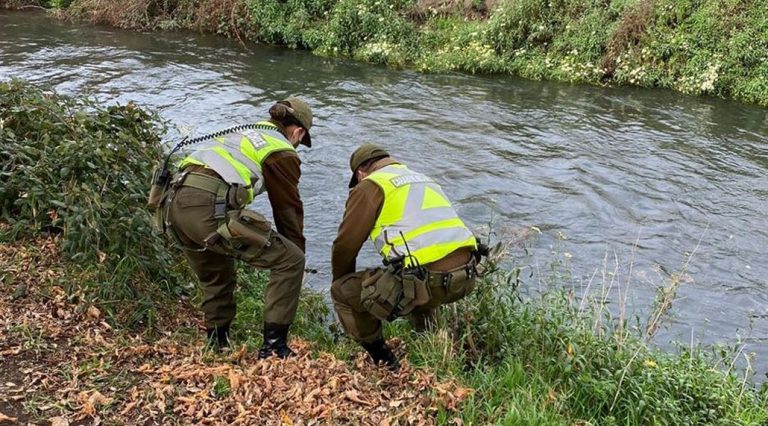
(707, 47)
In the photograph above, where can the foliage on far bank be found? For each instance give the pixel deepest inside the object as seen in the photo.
(702, 47)
(72, 167)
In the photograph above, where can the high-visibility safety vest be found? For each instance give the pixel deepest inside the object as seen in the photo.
(239, 157)
(416, 213)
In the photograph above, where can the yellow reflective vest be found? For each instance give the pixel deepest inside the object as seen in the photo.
(416, 213)
(238, 157)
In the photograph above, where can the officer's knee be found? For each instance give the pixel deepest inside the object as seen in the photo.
(336, 294)
(347, 287)
(293, 258)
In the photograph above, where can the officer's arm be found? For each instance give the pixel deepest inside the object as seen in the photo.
(363, 207)
(282, 171)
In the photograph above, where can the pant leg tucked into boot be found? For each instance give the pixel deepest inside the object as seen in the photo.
(218, 337)
(381, 354)
(275, 341)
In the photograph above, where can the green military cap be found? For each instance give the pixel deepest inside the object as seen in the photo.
(303, 113)
(365, 153)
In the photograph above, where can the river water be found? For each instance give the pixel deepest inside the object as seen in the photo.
(579, 178)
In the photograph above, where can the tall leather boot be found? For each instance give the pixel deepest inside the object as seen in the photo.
(381, 354)
(218, 337)
(275, 341)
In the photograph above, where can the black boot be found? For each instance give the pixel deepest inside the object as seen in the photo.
(381, 354)
(218, 337)
(275, 341)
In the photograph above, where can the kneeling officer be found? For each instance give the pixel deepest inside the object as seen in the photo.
(429, 254)
(204, 209)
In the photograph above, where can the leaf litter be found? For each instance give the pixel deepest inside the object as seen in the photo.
(75, 367)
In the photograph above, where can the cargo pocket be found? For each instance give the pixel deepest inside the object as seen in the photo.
(185, 198)
(380, 295)
(459, 286)
(415, 292)
(246, 233)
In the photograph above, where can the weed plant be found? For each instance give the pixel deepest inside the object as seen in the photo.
(557, 358)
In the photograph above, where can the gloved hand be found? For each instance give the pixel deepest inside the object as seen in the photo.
(482, 249)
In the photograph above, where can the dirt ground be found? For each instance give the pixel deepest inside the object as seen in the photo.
(62, 363)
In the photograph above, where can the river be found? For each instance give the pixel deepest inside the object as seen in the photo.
(580, 178)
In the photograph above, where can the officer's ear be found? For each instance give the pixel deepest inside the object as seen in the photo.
(361, 174)
(297, 135)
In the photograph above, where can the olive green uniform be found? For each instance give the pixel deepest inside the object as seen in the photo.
(363, 207)
(191, 218)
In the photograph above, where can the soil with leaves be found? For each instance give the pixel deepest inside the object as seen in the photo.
(61, 363)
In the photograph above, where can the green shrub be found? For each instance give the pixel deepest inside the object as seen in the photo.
(377, 30)
(72, 167)
(294, 23)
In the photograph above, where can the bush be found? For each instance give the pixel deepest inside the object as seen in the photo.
(295, 23)
(379, 27)
(71, 167)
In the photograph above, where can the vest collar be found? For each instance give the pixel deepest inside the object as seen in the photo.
(268, 125)
(384, 162)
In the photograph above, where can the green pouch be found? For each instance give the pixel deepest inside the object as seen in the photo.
(415, 291)
(381, 294)
(160, 213)
(237, 197)
(246, 232)
(460, 285)
(158, 187)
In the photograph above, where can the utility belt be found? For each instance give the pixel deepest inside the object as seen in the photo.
(244, 231)
(462, 273)
(228, 196)
(396, 291)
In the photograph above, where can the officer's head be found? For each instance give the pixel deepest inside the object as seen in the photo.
(294, 116)
(362, 160)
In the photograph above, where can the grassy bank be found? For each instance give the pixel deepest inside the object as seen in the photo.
(100, 312)
(701, 47)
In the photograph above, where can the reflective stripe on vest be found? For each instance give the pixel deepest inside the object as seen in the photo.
(238, 157)
(416, 212)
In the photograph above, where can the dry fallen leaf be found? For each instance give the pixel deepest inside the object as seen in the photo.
(93, 312)
(174, 381)
(354, 396)
(285, 419)
(234, 380)
(7, 419)
(59, 421)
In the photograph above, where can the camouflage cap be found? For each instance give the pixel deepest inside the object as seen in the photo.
(303, 114)
(365, 153)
